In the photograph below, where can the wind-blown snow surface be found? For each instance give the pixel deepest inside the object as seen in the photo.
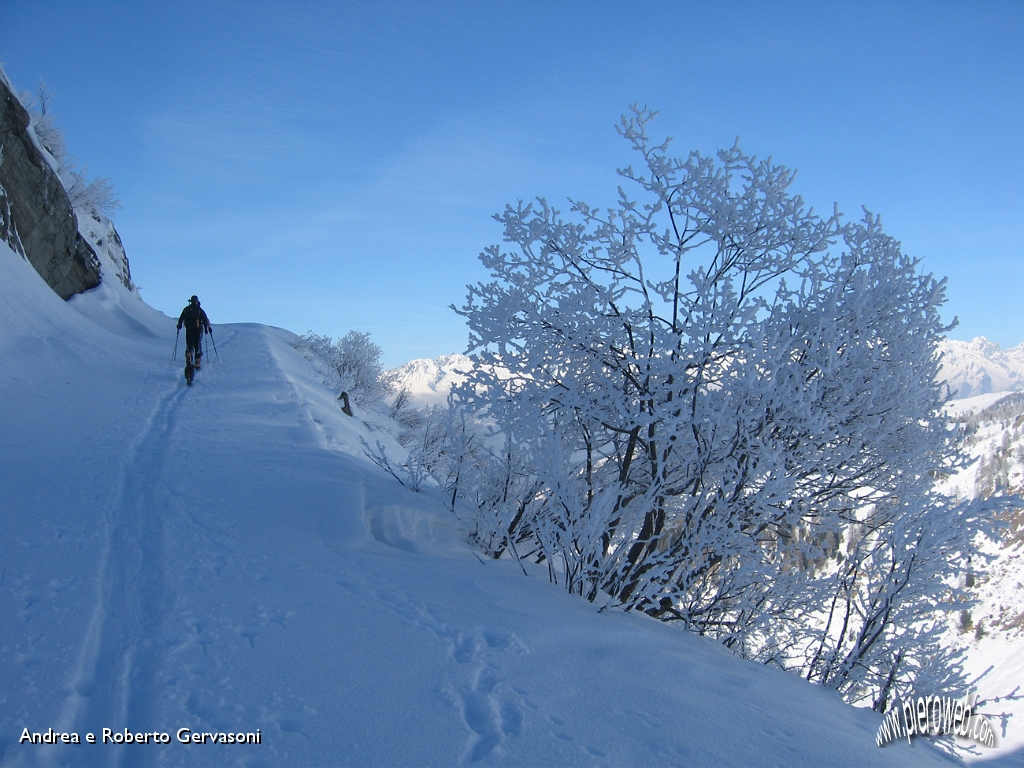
(223, 558)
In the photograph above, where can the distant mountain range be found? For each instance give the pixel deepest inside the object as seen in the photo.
(979, 366)
(969, 368)
(429, 381)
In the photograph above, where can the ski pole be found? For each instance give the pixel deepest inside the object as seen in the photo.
(214, 343)
(176, 335)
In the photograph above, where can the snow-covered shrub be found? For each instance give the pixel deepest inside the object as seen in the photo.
(87, 196)
(721, 408)
(409, 418)
(351, 364)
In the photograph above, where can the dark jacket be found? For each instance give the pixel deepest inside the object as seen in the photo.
(193, 317)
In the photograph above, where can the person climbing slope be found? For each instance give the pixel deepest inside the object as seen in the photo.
(196, 323)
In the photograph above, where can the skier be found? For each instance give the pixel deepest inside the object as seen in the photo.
(196, 323)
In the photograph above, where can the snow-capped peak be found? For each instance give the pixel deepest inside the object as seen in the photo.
(980, 366)
(429, 381)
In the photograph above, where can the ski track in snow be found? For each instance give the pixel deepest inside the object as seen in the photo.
(311, 597)
(137, 635)
(121, 650)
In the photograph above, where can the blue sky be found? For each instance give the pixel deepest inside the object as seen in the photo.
(331, 166)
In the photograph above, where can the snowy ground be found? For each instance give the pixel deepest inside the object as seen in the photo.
(968, 405)
(224, 559)
(995, 641)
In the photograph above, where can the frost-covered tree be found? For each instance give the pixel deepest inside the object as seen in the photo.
(91, 196)
(88, 196)
(726, 411)
(49, 135)
(351, 364)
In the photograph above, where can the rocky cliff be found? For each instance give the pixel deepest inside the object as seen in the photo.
(36, 216)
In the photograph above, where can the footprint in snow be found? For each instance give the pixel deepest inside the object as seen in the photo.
(201, 706)
(289, 723)
(249, 633)
(294, 721)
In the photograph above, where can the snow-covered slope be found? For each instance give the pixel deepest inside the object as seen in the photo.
(993, 630)
(979, 366)
(224, 559)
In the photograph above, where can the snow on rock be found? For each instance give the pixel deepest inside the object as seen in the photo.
(99, 231)
(223, 558)
(36, 204)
